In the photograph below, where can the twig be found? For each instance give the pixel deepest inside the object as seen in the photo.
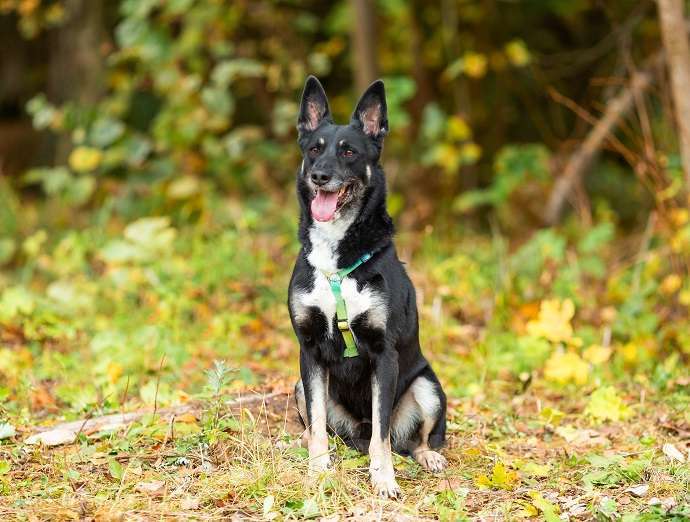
(582, 158)
(117, 420)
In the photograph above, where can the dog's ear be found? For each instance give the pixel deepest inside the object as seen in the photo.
(371, 114)
(314, 106)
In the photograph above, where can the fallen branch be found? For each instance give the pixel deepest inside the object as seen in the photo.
(582, 158)
(66, 432)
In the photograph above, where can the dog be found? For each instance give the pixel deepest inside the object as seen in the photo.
(352, 305)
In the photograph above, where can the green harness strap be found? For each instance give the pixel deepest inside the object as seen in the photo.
(335, 279)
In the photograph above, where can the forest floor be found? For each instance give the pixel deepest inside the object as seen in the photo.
(523, 456)
(564, 402)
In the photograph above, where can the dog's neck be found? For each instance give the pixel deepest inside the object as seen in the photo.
(337, 244)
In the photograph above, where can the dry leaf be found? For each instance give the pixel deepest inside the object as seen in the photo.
(639, 490)
(188, 418)
(581, 437)
(52, 437)
(189, 503)
(154, 488)
(673, 453)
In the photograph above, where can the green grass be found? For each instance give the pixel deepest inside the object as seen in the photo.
(106, 316)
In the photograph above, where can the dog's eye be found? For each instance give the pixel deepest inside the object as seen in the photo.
(348, 153)
(314, 151)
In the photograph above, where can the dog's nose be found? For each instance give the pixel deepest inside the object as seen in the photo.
(319, 177)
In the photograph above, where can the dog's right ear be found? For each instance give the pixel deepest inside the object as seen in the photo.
(314, 106)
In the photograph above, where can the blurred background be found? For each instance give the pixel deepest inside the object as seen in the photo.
(147, 210)
(538, 167)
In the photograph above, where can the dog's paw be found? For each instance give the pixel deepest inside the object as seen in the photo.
(319, 463)
(431, 460)
(384, 483)
(386, 488)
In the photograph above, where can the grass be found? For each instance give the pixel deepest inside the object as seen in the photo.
(112, 316)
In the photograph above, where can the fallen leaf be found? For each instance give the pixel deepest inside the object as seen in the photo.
(154, 488)
(553, 322)
(666, 503)
(189, 503)
(581, 437)
(606, 404)
(115, 469)
(549, 510)
(563, 368)
(52, 437)
(597, 354)
(188, 418)
(639, 490)
(673, 453)
(7, 430)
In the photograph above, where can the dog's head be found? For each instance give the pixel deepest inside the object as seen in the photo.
(339, 160)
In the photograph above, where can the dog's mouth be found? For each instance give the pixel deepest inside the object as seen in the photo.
(326, 203)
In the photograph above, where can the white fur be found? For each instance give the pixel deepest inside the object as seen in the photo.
(406, 417)
(368, 172)
(318, 436)
(324, 237)
(425, 394)
(381, 460)
(419, 403)
(368, 300)
(340, 420)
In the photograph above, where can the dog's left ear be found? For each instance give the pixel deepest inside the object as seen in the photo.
(371, 114)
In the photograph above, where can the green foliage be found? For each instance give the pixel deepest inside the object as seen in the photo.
(516, 167)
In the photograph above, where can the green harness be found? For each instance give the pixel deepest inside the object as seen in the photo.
(336, 279)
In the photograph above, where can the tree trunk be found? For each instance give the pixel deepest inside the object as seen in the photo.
(675, 39)
(364, 43)
(76, 64)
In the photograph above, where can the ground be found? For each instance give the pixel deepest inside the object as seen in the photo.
(556, 411)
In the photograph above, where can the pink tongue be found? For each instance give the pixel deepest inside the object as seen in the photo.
(323, 205)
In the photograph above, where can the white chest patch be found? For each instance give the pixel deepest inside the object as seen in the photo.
(323, 257)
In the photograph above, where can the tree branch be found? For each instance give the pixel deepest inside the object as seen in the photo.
(582, 158)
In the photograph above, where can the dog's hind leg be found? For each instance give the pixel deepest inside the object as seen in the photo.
(340, 421)
(419, 423)
(302, 411)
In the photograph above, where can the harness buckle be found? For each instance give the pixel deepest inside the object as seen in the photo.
(342, 325)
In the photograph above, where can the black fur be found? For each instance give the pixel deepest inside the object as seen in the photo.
(394, 354)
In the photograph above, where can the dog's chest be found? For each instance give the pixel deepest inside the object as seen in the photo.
(323, 258)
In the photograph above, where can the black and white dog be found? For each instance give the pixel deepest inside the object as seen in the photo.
(352, 305)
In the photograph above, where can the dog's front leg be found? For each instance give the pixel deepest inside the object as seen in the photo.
(315, 382)
(383, 385)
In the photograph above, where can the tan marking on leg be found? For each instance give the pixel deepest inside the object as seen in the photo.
(381, 458)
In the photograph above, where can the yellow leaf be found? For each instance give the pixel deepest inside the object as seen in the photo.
(188, 418)
(563, 368)
(447, 156)
(517, 53)
(597, 354)
(85, 159)
(553, 322)
(671, 284)
(474, 64)
(114, 371)
(630, 353)
(470, 153)
(606, 404)
(503, 478)
(679, 216)
(458, 129)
